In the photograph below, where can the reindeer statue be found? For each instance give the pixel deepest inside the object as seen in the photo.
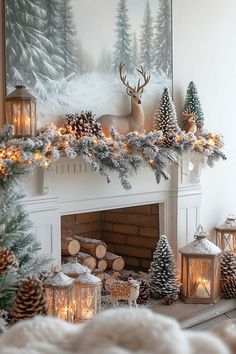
(135, 120)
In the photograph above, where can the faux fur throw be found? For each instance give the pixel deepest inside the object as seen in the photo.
(120, 331)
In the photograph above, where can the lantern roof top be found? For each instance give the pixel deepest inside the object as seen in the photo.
(20, 93)
(88, 279)
(74, 267)
(201, 245)
(59, 279)
(230, 223)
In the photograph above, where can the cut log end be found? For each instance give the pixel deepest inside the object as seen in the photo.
(100, 251)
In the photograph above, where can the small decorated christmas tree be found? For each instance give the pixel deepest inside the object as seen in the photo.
(227, 265)
(164, 282)
(193, 105)
(165, 118)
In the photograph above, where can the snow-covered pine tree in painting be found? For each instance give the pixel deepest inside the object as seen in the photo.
(135, 51)
(123, 52)
(36, 52)
(162, 40)
(67, 43)
(146, 40)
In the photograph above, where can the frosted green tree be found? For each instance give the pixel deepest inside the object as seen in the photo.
(123, 45)
(193, 105)
(15, 238)
(146, 39)
(162, 40)
(164, 281)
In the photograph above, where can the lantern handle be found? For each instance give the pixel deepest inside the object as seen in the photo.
(231, 217)
(200, 233)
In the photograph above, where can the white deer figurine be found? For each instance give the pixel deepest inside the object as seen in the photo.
(135, 120)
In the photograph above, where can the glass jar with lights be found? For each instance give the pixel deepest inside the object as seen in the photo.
(74, 269)
(87, 296)
(200, 270)
(59, 294)
(20, 110)
(226, 234)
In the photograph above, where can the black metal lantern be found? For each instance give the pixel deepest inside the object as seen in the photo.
(21, 112)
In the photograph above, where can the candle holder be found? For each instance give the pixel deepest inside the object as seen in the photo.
(200, 270)
(20, 108)
(59, 295)
(87, 296)
(226, 234)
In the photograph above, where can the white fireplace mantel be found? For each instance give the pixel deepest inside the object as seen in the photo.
(70, 187)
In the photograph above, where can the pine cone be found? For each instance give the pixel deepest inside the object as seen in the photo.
(169, 139)
(83, 125)
(30, 299)
(227, 265)
(42, 276)
(144, 292)
(7, 259)
(170, 299)
(229, 289)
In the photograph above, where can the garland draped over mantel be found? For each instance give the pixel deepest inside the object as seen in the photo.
(124, 154)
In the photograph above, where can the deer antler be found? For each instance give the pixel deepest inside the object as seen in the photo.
(123, 78)
(145, 76)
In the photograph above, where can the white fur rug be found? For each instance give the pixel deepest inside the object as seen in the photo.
(120, 331)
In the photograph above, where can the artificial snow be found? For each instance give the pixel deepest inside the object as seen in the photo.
(74, 268)
(59, 279)
(88, 279)
(122, 331)
(202, 246)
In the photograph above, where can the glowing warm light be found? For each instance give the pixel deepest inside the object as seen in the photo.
(37, 155)
(177, 138)
(211, 142)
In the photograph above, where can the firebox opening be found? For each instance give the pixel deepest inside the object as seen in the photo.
(130, 232)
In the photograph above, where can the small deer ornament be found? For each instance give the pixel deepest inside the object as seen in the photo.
(135, 120)
(125, 290)
(189, 124)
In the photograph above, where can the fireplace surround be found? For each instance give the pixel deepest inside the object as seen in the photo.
(71, 187)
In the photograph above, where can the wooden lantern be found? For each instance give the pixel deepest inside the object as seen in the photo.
(87, 296)
(59, 295)
(21, 112)
(200, 270)
(226, 235)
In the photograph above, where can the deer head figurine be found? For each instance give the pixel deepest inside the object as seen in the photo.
(134, 121)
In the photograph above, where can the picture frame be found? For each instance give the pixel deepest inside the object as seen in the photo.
(96, 86)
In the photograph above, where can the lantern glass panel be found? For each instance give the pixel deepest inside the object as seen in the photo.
(88, 302)
(184, 275)
(200, 276)
(60, 303)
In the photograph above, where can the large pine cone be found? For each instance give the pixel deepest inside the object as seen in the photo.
(144, 292)
(7, 259)
(229, 289)
(227, 265)
(30, 299)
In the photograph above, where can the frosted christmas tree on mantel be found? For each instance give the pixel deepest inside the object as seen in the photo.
(165, 118)
(193, 105)
(164, 282)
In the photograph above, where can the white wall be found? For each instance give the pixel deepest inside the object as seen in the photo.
(204, 50)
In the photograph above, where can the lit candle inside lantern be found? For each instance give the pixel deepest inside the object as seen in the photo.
(204, 288)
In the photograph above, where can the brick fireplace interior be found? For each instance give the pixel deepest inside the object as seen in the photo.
(130, 232)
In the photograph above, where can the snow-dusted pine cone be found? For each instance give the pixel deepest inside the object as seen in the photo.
(30, 299)
(83, 124)
(229, 289)
(7, 259)
(44, 275)
(169, 139)
(144, 292)
(227, 265)
(170, 299)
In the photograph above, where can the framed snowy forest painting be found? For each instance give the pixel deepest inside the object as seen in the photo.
(67, 53)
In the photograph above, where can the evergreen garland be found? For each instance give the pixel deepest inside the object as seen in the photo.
(164, 282)
(193, 105)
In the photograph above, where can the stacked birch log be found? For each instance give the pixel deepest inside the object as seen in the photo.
(93, 254)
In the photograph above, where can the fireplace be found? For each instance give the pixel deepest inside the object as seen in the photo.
(130, 232)
(71, 188)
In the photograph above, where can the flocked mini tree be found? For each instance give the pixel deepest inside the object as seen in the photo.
(165, 118)
(193, 105)
(164, 281)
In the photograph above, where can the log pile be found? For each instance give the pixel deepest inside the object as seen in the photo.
(93, 254)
